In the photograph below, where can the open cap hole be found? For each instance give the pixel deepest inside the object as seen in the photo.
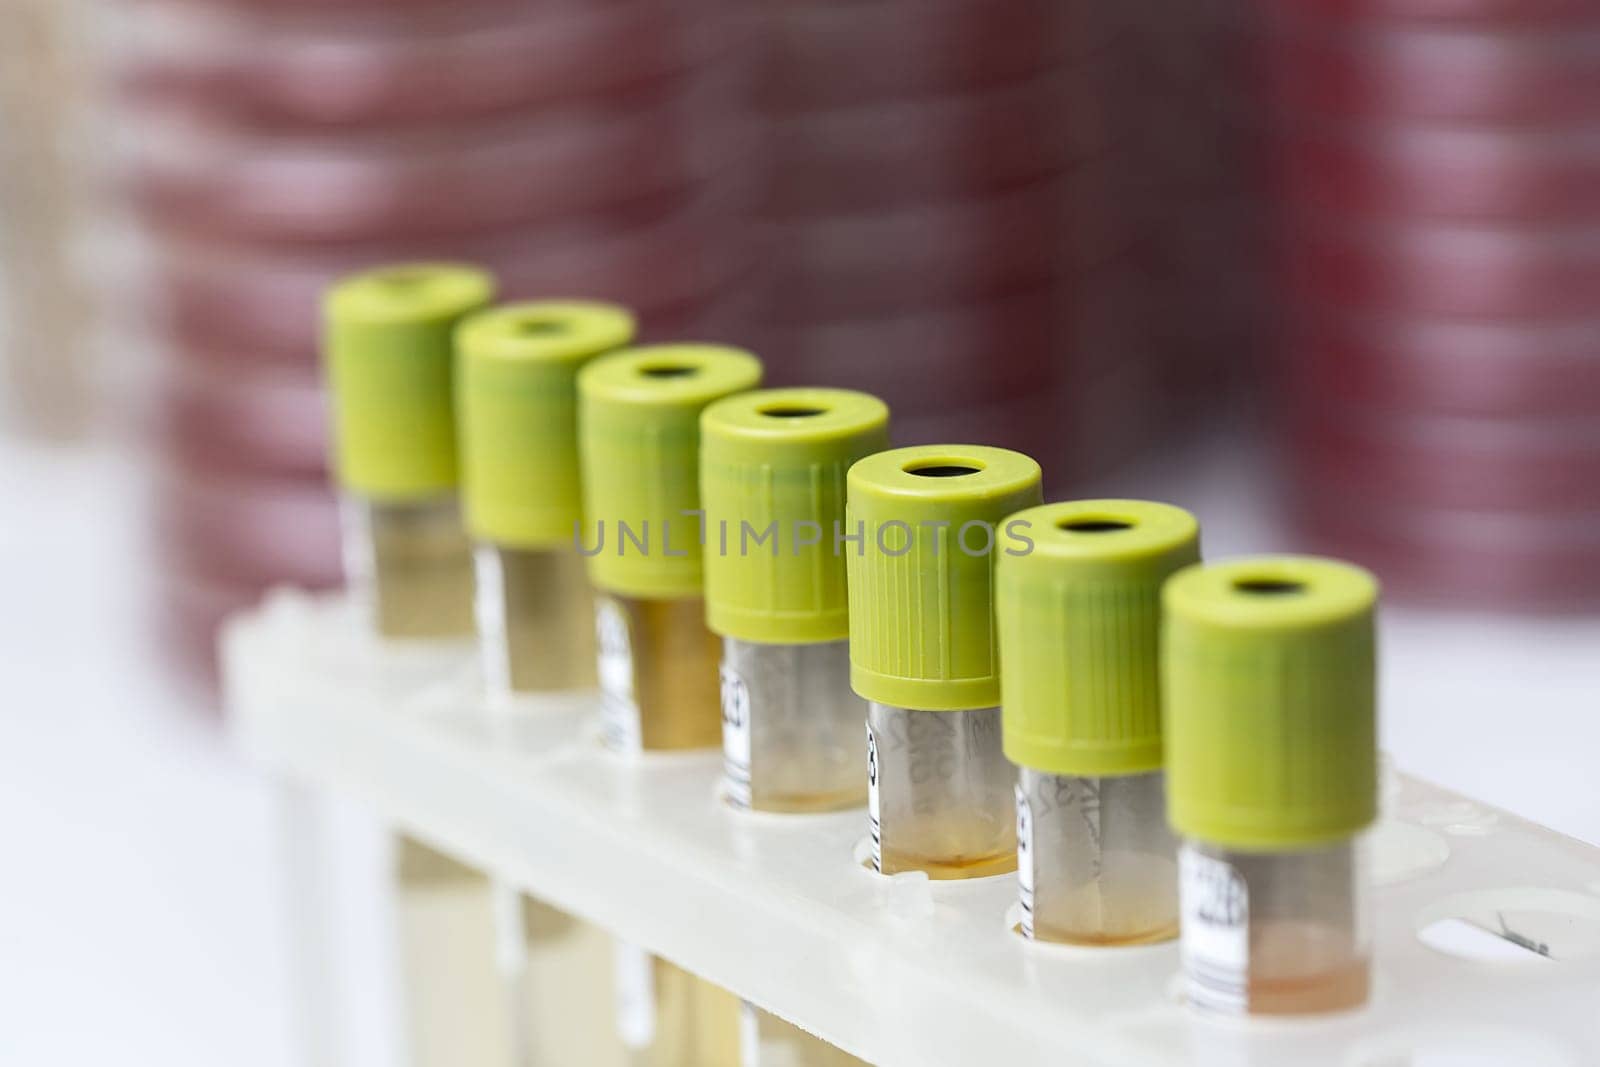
(1087, 525)
(668, 370)
(404, 279)
(1268, 586)
(792, 411)
(942, 470)
(539, 327)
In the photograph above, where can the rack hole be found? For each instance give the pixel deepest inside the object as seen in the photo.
(792, 411)
(1513, 926)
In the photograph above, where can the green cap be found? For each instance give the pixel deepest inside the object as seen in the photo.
(639, 442)
(776, 459)
(1271, 724)
(1080, 622)
(517, 395)
(387, 348)
(931, 521)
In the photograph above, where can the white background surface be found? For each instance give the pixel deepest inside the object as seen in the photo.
(141, 916)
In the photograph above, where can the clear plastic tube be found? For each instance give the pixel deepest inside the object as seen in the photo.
(565, 1010)
(658, 666)
(791, 727)
(409, 564)
(457, 1008)
(941, 795)
(658, 674)
(1280, 933)
(670, 1018)
(1097, 864)
(535, 619)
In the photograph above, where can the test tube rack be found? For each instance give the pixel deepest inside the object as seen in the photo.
(1486, 926)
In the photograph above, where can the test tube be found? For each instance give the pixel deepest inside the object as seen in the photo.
(639, 449)
(922, 528)
(772, 479)
(643, 534)
(517, 398)
(772, 476)
(1268, 666)
(388, 353)
(1079, 619)
(517, 395)
(387, 346)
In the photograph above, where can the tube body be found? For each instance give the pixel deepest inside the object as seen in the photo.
(658, 674)
(409, 565)
(1275, 933)
(791, 727)
(668, 1017)
(455, 994)
(535, 615)
(1096, 862)
(940, 792)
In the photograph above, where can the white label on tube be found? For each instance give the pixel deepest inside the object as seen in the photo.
(489, 607)
(1025, 861)
(1215, 913)
(874, 825)
(735, 738)
(636, 995)
(619, 713)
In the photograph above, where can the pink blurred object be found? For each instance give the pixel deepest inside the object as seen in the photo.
(1441, 174)
(1391, 71)
(217, 299)
(377, 187)
(944, 361)
(221, 421)
(855, 265)
(1545, 466)
(573, 149)
(820, 55)
(1447, 269)
(393, 64)
(250, 531)
(1497, 14)
(1449, 172)
(1451, 367)
(1460, 559)
(879, 155)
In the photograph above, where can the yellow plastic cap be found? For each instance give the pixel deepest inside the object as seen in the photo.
(772, 479)
(388, 353)
(1080, 626)
(639, 446)
(1269, 669)
(517, 396)
(930, 522)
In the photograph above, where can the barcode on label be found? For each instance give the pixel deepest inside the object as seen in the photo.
(1025, 861)
(735, 738)
(619, 714)
(1215, 937)
(874, 824)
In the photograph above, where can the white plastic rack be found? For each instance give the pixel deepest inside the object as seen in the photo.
(1487, 927)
